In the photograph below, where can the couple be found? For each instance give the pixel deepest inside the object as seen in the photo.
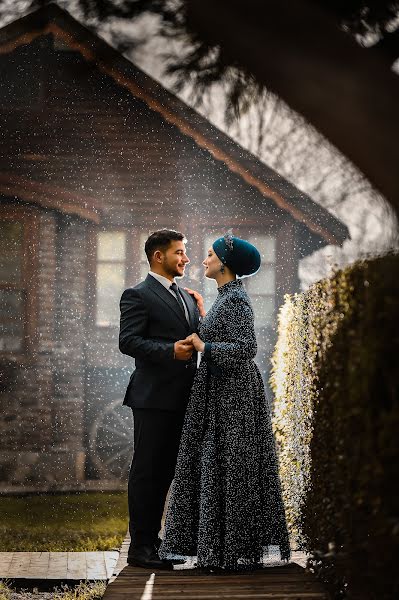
(207, 429)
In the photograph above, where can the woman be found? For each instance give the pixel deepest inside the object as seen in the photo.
(225, 506)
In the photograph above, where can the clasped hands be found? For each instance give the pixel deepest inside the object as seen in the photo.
(185, 348)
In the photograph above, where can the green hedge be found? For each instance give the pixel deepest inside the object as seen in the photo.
(336, 422)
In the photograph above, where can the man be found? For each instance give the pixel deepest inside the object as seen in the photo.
(156, 317)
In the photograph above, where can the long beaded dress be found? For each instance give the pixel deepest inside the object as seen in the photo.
(225, 505)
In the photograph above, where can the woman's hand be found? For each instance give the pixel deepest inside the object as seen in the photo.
(199, 300)
(196, 341)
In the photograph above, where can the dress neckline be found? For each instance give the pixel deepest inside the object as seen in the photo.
(226, 287)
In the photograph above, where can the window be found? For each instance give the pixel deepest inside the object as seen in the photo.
(111, 276)
(12, 286)
(120, 262)
(262, 286)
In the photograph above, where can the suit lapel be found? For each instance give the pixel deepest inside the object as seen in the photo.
(166, 296)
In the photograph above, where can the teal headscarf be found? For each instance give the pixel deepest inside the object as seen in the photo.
(237, 254)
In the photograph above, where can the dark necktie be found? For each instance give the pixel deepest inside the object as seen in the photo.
(175, 289)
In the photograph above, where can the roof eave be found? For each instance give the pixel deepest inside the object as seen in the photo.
(49, 197)
(53, 19)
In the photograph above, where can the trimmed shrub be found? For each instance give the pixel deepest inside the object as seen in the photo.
(336, 422)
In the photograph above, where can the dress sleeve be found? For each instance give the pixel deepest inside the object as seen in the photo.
(240, 344)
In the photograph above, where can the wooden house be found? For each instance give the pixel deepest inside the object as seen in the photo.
(94, 155)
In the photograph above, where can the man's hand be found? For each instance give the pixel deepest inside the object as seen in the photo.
(199, 300)
(183, 349)
(196, 341)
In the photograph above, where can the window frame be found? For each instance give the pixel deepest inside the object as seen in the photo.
(28, 284)
(133, 275)
(96, 262)
(265, 263)
(244, 231)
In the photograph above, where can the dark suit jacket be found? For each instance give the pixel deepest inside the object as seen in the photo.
(151, 322)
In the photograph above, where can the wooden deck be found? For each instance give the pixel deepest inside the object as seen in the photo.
(58, 566)
(289, 582)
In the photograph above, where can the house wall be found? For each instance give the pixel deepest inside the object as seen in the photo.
(69, 347)
(42, 395)
(83, 133)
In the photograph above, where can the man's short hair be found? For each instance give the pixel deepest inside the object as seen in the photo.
(161, 240)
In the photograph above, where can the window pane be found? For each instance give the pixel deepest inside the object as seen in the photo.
(11, 336)
(263, 282)
(11, 304)
(266, 245)
(11, 245)
(143, 271)
(111, 245)
(264, 310)
(110, 285)
(144, 235)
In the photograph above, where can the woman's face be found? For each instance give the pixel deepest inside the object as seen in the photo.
(212, 264)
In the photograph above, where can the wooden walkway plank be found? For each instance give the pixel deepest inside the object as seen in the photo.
(5, 561)
(58, 566)
(39, 563)
(95, 565)
(111, 560)
(76, 565)
(19, 564)
(122, 558)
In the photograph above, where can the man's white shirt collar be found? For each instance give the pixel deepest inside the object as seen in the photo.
(164, 280)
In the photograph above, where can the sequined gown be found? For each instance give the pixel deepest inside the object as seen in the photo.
(225, 506)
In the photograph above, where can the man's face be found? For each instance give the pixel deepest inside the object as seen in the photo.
(174, 259)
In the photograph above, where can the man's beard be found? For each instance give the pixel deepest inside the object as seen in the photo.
(172, 271)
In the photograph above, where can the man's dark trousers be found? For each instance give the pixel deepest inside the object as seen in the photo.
(156, 444)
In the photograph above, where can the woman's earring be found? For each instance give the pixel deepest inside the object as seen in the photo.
(222, 268)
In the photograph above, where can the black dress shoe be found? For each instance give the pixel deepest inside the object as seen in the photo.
(147, 557)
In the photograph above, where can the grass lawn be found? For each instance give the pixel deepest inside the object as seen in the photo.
(83, 591)
(60, 523)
